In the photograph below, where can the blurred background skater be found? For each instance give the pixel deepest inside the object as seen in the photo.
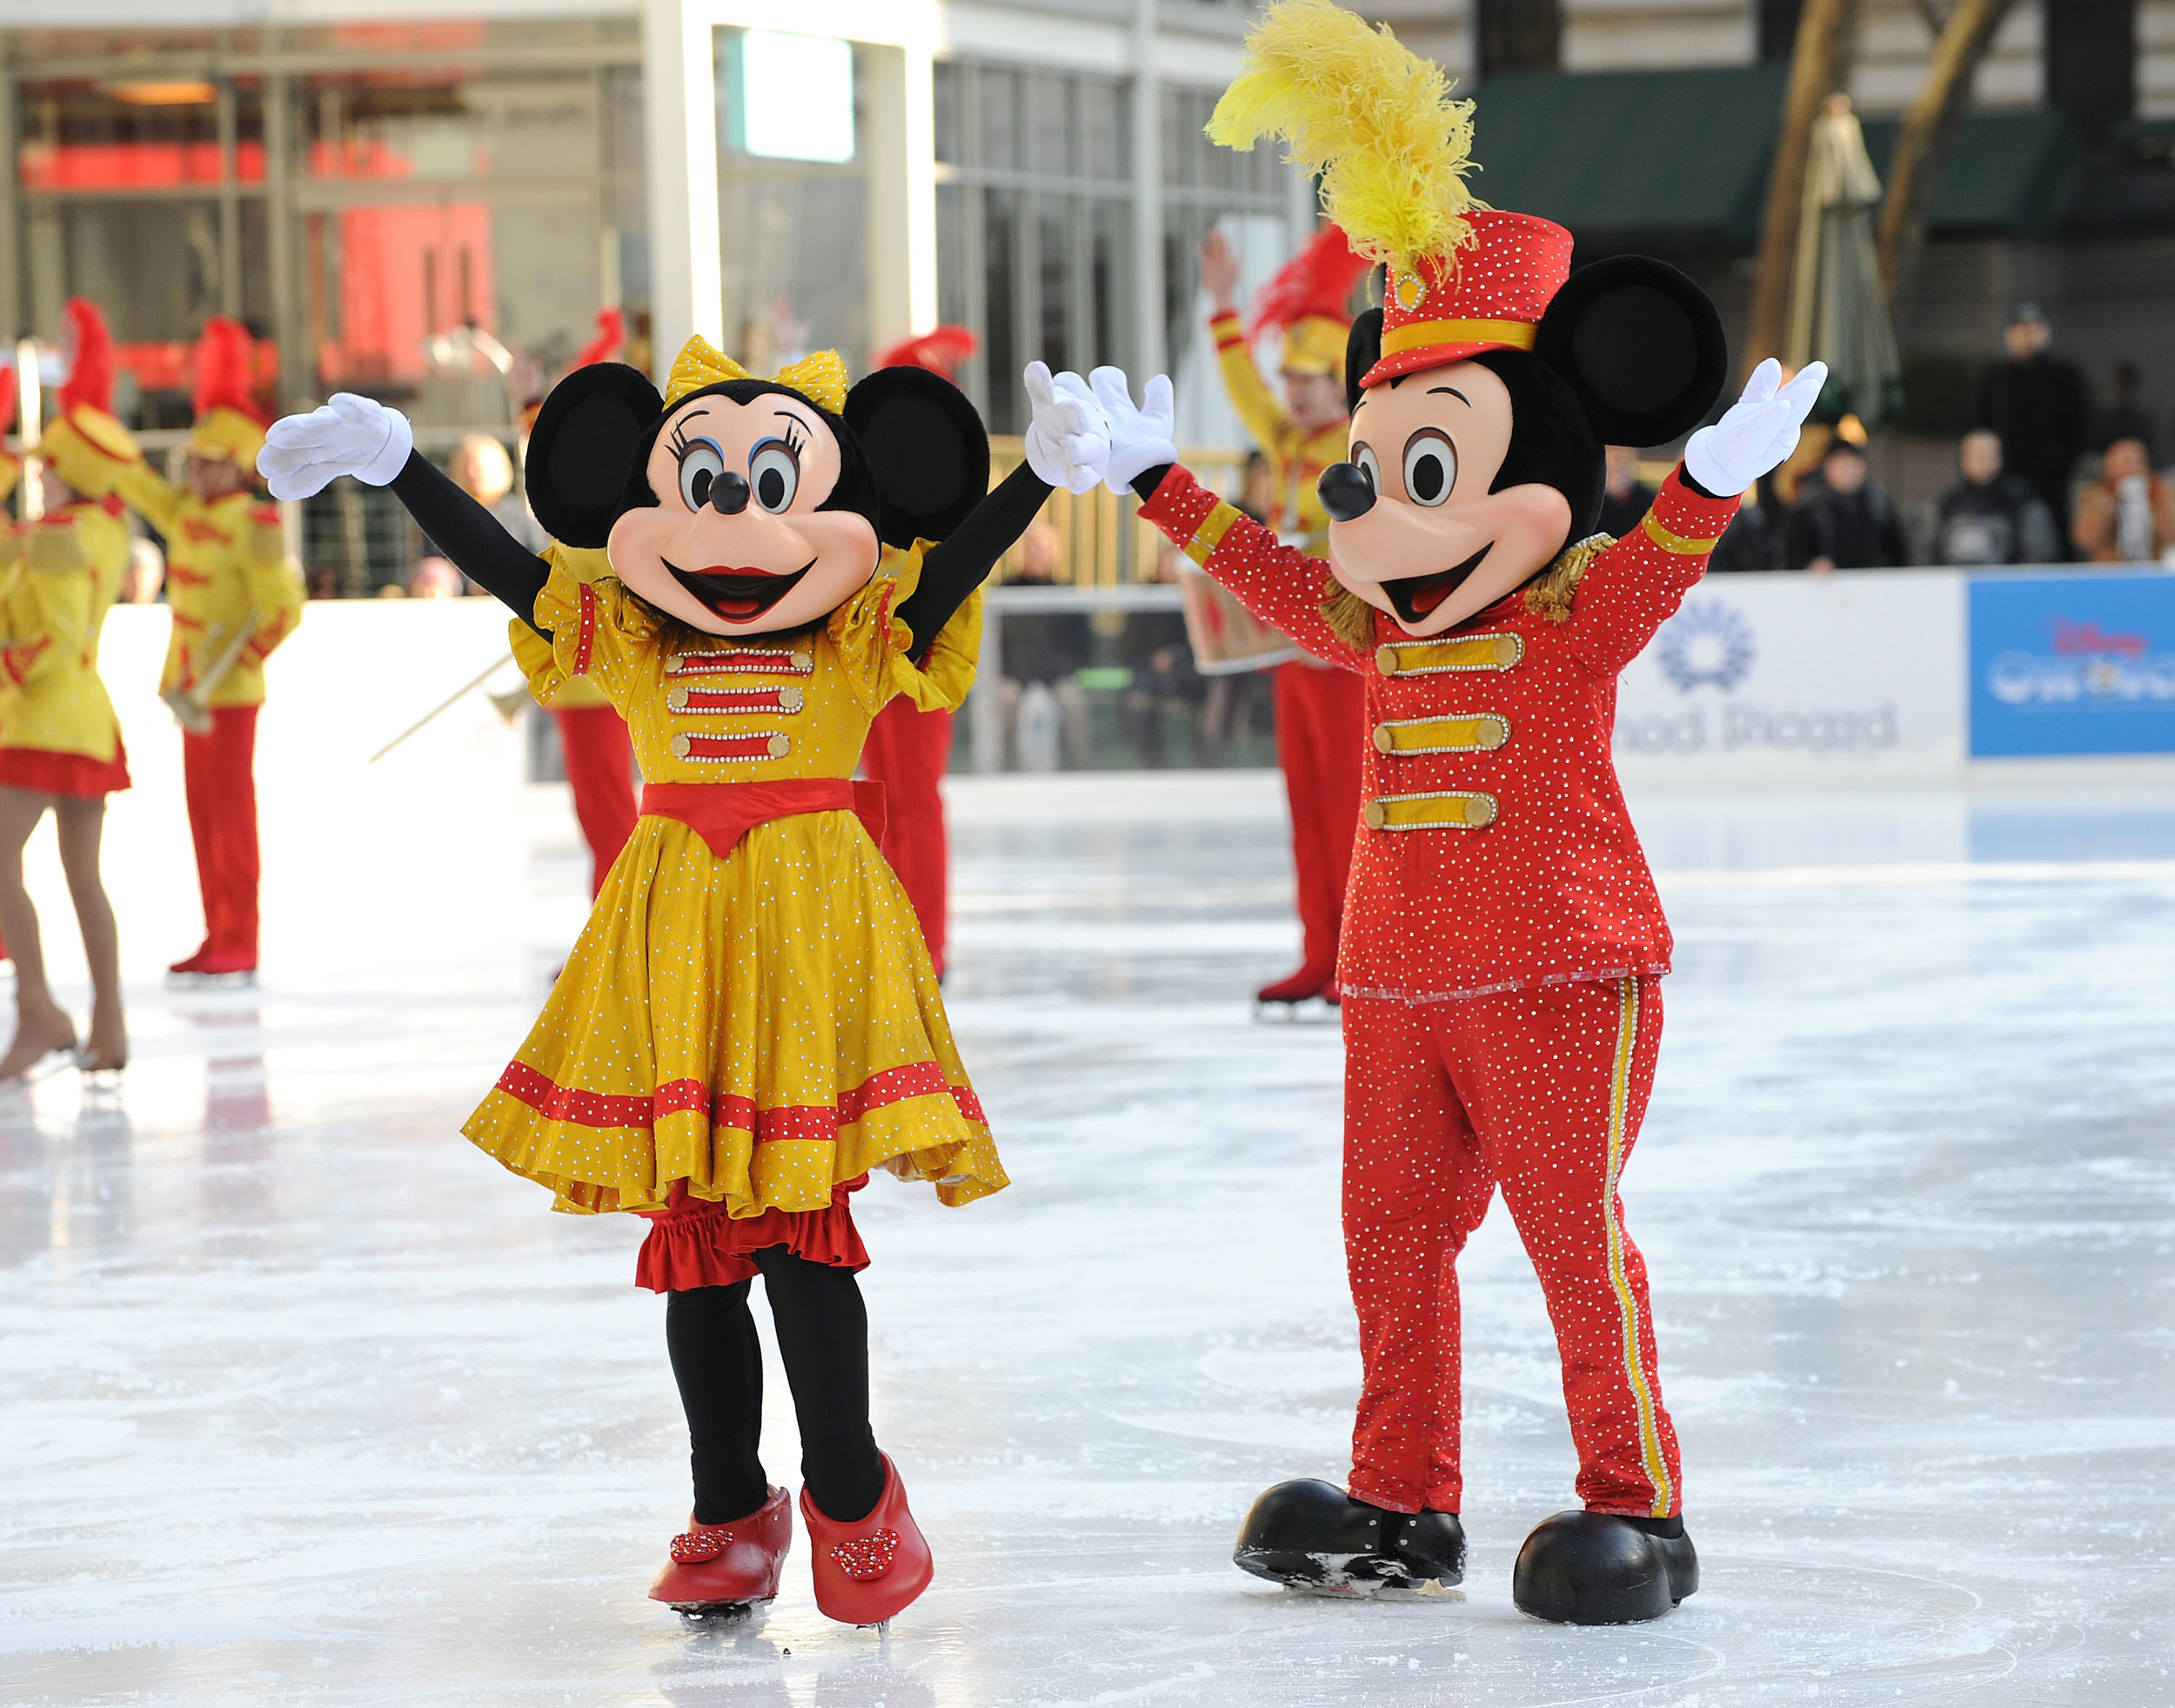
(1320, 711)
(234, 598)
(909, 750)
(2127, 516)
(60, 742)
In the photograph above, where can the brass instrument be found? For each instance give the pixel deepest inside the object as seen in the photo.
(508, 702)
(190, 702)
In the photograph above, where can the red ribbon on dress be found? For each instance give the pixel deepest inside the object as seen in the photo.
(723, 812)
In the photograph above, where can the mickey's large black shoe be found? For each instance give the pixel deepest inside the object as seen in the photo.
(1310, 1535)
(1596, 1569)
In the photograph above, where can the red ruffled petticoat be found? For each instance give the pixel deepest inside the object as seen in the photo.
(77, 775)
(694, 1242)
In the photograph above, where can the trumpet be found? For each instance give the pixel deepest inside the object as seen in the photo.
(190, 702)
(508, 703)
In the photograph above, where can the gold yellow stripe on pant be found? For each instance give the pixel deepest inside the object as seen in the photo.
(1432, 658)
(1483, 733)
(1438, 809)
(1628, 1307)
(1209, 535)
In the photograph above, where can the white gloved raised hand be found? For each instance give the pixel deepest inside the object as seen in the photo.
(1758, 432)
(303, 454)
(1140, 438)
(1067, 444)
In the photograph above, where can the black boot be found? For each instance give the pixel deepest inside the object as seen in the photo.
(1597, 1569)
(1310, 1535)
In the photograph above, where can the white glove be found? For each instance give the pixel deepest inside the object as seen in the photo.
(303, 454)
(1140, 438)
(1759, 432)
(1067, 444)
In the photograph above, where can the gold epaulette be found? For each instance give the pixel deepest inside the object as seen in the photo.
(1549, 593)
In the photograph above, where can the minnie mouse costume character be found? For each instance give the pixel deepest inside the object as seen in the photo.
(1502, 942)
(749, 1023)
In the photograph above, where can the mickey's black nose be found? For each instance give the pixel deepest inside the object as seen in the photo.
(729, 493)
(1347, 493)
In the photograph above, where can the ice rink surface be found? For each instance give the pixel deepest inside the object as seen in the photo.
(304, 1399)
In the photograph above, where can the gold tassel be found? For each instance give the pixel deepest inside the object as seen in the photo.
(1549, 593)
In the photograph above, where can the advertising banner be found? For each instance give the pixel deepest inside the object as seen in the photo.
(2080, 661)
(1791, 678)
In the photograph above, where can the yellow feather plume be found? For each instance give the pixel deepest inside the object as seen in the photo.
(1372, 119)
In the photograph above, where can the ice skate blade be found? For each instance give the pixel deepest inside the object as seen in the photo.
(53, 1062)
(211, 981)
(1309, 1011)
(715, 1612)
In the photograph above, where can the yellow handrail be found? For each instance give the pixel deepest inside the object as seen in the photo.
(1103, 543)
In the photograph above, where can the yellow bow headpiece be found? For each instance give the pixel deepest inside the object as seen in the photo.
(820, 376)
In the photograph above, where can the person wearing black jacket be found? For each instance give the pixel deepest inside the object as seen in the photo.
(2041, 407)
(1989, 516)
(1843, 520)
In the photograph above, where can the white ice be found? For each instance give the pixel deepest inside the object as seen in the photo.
(302, 1399)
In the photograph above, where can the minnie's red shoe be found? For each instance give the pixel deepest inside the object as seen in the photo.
(867, 1571)
(716, 1566)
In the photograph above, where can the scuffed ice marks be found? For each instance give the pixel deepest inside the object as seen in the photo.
(317, 1406)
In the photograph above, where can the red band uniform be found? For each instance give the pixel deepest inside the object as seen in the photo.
(1318, 711)
(1502, 941)
(228, 581)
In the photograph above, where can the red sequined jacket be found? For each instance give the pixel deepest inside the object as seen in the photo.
(1495, 852)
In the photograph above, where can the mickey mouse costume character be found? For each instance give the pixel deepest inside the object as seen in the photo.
(234, 598)
(749, 1023)
(1503, 943)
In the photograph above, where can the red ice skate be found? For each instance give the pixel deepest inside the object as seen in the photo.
(720, 1566)
(867, 1571)
(1307, 982)
(212, 966)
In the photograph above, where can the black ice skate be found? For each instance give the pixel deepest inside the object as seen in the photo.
(1596, 1569)
(1310, 1535)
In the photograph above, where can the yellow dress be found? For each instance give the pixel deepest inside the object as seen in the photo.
(766, 1025)
(59, 733)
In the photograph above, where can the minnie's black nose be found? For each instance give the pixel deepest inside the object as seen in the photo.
(1347, 493)
(729, 493)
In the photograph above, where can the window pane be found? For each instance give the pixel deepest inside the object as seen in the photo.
(1102, 139)
(1048, 111)
(1053, 335)
(1000, 305)
(947, 98)
(997, 93)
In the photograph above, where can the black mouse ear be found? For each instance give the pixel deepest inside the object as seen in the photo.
(1640, 344)
(581, 447)
(926, 447)
(1362, 349)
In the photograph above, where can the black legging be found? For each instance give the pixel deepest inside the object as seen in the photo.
(823, 1338)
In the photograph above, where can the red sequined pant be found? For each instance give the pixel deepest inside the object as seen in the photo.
(1539, 1092)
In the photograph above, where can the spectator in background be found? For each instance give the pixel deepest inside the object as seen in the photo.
(483, 468)
(145, 577)
(1257, 489)
(1989, 516)
(1626, 498)
(2124, 417)
(1843, 520)
(2128, 514)
(327, 581)
(1747, 544)
(2041, 409)
(434, 578)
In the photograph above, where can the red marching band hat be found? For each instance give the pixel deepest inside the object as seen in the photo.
(1488, 295)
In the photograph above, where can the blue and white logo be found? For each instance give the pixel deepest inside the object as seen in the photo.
(1707, 645)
